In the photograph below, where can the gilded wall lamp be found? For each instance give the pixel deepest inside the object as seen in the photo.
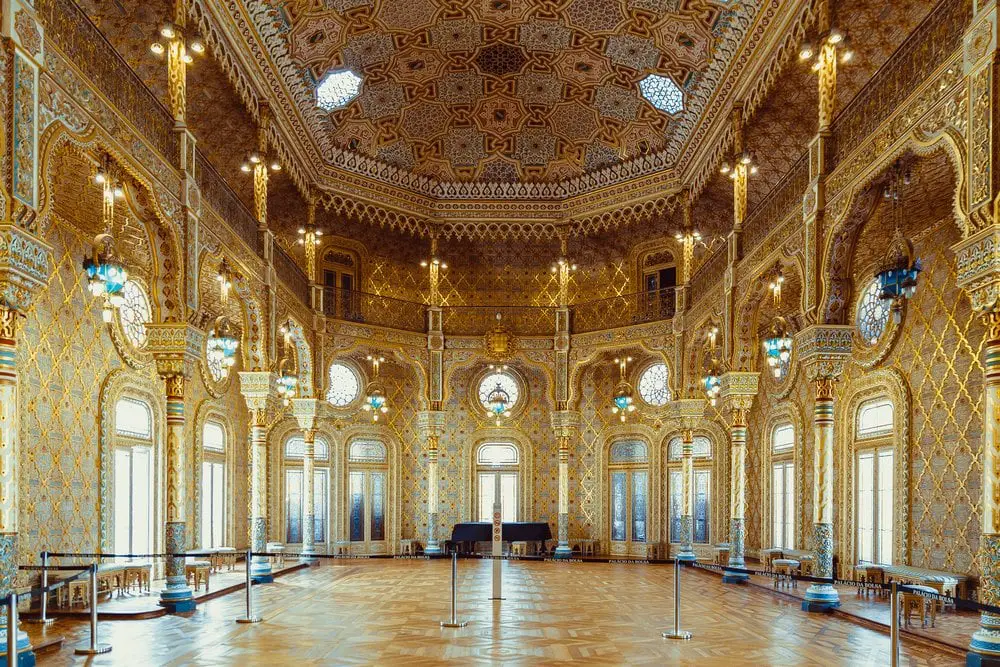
(623, 404)
(222, 343)
(713, 375)
(778, 344)
(106, 271)
(375, 399)
(897, 277)
(288, 381)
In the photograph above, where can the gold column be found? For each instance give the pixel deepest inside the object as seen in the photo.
(430, 424)
(737, 391)
(565, 425)
(306, 411)
(175, 348)
(688, 412)
(256, 389)
(823, 351)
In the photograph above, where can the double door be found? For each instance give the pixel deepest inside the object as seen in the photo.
(367, 501)
(629, 511)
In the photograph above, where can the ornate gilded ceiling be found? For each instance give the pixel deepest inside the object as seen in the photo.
(500, 91)
(504, 90)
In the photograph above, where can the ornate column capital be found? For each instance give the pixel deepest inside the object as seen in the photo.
(256, 387)
(737, 391)
(175, 346)
(977, 260)
(688, 411)
(430, 423)
(824, 350)
(565, 423)
(305, 411)
(25, 263)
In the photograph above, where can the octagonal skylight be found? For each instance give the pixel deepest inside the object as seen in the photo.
(662, 93)
(337, 89)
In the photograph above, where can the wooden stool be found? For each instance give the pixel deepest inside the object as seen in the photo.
(78, 589)
(518, 548)
(406, 547)
(784, 568)
(912, 600)
(278, 549)
(227, 558)
(199, 572)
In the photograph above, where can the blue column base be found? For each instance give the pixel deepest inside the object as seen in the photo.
(262, 578)
(25, 656)
(433, 549)
(819, 607)
(562, 551)
(260, 570)
(973, 659)
(735, 578)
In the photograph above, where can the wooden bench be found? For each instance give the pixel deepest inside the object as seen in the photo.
(952, 583)
(198, 571)
(721, 554)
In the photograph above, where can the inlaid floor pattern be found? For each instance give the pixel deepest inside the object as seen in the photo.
(386, 612)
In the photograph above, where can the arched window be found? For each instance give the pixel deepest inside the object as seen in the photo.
(628, 471)
(654, 385)
(367, 495)
(134, 313)
(872, 314)
(497, 470)
(505, 381)
(783, 486)
(345, 386)
(874, 475)
(133, 477)
(295, 448)
(875, 418)
(213, 485)
(700, 488)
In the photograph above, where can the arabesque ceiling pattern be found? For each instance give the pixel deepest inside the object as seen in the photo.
(503, 90)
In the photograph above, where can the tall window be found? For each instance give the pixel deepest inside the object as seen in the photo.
(629, 489)
(294, 500)
(497, 469)
(367, 495)
(701, 485)
(133, 477)
(783, 486)
(213, 486)
(874, 474)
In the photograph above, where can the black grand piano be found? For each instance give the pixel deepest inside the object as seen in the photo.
(465, 535)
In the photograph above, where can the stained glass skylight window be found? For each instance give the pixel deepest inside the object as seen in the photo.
(337, 89)
(134, 313)
(662, 93)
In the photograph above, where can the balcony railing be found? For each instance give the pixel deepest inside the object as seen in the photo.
(620, 311)
(289, 273)
(355, 306)
(477, 320)
(227, 204)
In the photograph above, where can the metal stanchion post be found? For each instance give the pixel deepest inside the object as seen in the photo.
(43, 618)
(95, 648)
(677, 632)
(454, 622)
(249, 618)
(12, 629)
(894, 628)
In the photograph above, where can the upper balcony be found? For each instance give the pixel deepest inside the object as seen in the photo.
(476, 320)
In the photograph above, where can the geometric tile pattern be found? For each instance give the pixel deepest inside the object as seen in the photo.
(537, 54)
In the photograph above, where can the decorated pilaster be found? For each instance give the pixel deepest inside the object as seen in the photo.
(430, 425)
(739, 168)
(309, 239)
(688, 411)
(978, 263)
(823, 350)
(565, 425)
(176, 348)
(305, 411)
(737, 393)
(24, 268)
(256, 389)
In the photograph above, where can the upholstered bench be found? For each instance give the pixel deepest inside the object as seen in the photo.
(784, 568)
(198, 571)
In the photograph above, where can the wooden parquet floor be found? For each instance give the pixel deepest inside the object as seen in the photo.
(386, 612)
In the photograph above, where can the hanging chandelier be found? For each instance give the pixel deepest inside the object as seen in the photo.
(897, 278)
(778, 344)
(288, 381)
(623, 403)
(222, 342)
(106, 272)
(498, 400)
(713, 378)
(375, 399)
